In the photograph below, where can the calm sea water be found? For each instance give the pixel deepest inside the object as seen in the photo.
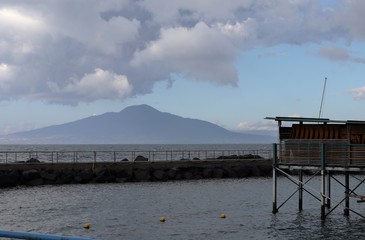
(192, 210)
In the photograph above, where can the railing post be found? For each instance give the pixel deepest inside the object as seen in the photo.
(94, 160)
(274, 179)
(323, 181)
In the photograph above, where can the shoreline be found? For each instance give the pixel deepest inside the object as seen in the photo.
(36, 174)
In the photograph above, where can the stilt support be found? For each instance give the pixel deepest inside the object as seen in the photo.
(274, 180)
(329, 189)
(347, 193)
(323, 195)
(300, 186)
(323, 184)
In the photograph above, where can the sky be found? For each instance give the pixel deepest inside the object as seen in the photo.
(231, 63)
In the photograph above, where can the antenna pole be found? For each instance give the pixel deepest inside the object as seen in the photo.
(324, 90)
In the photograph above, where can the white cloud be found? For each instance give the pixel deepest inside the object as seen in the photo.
(20, 32)
(6, 75)
(93, 86)
(86, 26)
(19, 127)
(334, 53)
(5, 71)
(358, 93)
(199, 52)
(16, 20)
(257, 126)
(240, 31)
(169, 12)
(339, 54)
(352, 17)
(51, 42)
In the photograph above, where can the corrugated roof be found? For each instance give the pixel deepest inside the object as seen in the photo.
(318, 120)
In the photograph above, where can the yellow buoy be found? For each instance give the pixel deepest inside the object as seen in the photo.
(87, 225)
(162, 219)
(223, 215)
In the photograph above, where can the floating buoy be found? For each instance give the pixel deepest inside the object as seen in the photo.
(87, 225)
(223, 215)
(162, 219)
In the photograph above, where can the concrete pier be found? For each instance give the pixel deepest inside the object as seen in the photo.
(32, 174)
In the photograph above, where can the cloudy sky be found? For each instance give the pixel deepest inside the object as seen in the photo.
(228, 62)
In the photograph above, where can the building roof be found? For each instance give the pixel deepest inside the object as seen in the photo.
(317, 120)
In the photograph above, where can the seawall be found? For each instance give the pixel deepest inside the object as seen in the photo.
(34, 174)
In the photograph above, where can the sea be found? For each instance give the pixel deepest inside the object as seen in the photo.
(192, 209)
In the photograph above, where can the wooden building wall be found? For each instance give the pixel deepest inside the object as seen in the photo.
(353, 133)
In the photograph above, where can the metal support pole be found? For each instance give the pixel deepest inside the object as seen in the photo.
(274, 180)
(347, 192)
(323, 183)
(300, 186)
(329, 189)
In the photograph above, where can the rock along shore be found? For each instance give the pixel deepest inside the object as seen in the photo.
(34, 174)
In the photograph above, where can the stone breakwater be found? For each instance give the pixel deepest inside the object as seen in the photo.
(34, 174)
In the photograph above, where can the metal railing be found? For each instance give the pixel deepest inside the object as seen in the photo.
(38, 236)
(311, 153)
(7, 157)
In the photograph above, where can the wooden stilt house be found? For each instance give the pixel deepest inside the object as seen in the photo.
(300, 140)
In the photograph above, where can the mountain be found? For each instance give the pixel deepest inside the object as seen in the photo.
(139, 124)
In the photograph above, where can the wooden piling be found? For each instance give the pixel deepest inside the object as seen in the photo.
(274, 197)
(323, 183)
(347, 193)
(300, 190)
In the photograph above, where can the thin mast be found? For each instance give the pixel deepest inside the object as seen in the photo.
(324, 90)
